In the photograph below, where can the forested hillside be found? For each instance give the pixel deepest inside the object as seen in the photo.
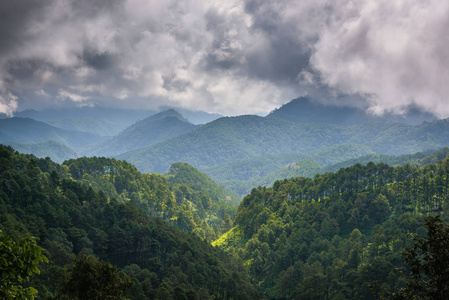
(179, 199)
(241, 176)
(56, 151)
(333, 236)
(244, 137)
(93, 206)
(92, 125)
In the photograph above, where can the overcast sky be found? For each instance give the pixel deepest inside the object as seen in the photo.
(230, 57)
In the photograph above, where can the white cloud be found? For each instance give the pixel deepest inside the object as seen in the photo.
(64, 95)
(8, 103)
(231, 57)
(393, 52)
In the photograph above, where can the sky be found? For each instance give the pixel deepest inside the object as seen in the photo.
(230, 57)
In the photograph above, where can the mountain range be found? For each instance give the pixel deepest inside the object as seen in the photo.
(300, 137)
(148, 131)
(306, 110)
(25, 130)
(244, 137)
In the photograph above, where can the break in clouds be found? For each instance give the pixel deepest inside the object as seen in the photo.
(230, 57)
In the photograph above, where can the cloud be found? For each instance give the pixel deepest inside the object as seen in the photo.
(71, 96)
(394, 53)
(231, 57)
(8, 104)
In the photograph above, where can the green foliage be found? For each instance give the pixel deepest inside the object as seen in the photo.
(244, 137)
(93, 279)
(71, 216)
(335, 234)
(428, 261)
(185, 198)
(242, 175)
(18, 262)
(184, 174)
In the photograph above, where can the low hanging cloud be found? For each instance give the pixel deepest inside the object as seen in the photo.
(231, 57)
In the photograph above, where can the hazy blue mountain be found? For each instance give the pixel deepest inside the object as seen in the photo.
(146, 132)
(92, 125)
(56, 151)
(305, 110)
(96, 120)
(24, 131)
(197, 117)
(244, 137)
(115, 115)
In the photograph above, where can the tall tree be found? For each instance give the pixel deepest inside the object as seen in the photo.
(428, 260)
(93, 279)
(18, 262)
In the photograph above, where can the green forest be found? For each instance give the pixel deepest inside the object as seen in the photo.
(338, 234)
(155, 229)
(97, 228)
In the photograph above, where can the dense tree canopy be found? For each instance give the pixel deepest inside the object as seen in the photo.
(334, 235)
(71, 216)
(428, 264)
(327, 237)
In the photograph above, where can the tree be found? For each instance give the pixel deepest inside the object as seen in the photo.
(18, 262)
(227, 223)
(93, 279)
(428, 260)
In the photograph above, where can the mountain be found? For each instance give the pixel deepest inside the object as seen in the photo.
(306, 110)
(101, 121)
(231, 138)
(56, 151)
(146, 132)
(95, 126)
(105, 121)
(197, 117)
(115, 115)
(24, 131)
(241, 175)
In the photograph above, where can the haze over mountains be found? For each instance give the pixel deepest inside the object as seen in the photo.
(146, 132)
(229, 149)
(25, 130)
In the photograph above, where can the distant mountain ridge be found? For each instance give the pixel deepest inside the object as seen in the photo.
(306, 110)
(25, 130)
(56, 151)
(148, 131)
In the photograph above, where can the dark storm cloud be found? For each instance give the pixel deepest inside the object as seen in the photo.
(14, 17)
(230, 57)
